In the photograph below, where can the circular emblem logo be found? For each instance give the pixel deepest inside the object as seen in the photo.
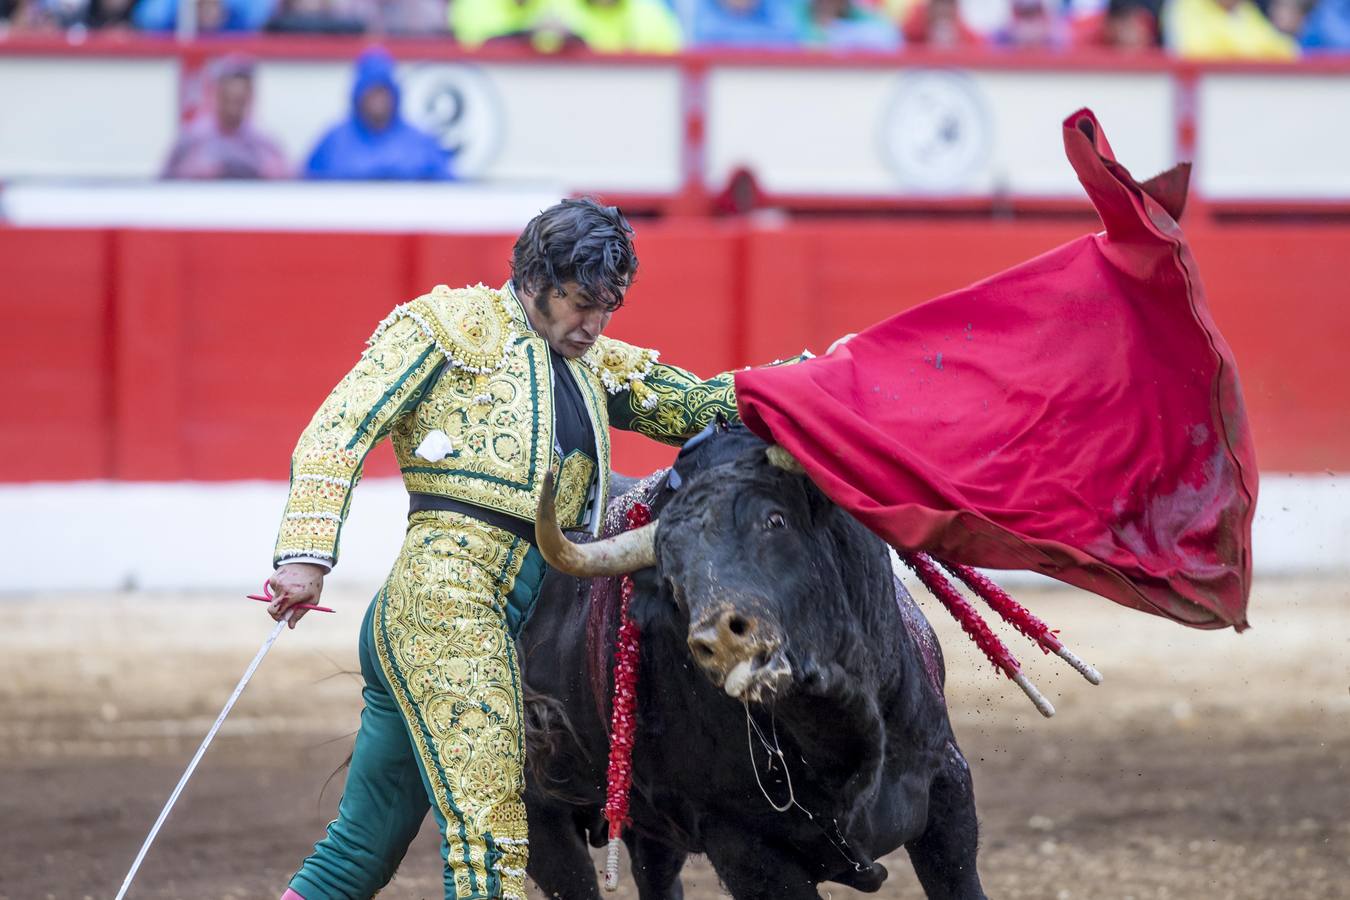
(459, 105)
(935, 132)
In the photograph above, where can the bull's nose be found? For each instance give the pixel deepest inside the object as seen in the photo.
(725, 638)
(740, 652)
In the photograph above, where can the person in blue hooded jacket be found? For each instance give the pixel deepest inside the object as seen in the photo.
(1327, 28)
(213, 16)
(747, 23)
(375, 142)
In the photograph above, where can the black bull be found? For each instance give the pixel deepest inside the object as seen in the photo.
(765, 590)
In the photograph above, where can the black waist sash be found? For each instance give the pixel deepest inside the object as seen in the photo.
(519, 527)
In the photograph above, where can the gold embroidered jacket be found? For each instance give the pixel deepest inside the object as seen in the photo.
(464, 388)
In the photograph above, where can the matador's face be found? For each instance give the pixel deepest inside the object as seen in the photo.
(570, 322)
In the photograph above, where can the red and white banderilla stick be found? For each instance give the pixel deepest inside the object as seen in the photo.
(1021, 618)
(974, 626)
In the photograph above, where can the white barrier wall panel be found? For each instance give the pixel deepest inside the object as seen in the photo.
(1274, 136)
(95, 117)
(1137, 112)
(798, 130)
(925, 132)
(615, 128)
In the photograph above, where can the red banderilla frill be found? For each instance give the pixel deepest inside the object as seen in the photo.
(623, 718)
(974, 626)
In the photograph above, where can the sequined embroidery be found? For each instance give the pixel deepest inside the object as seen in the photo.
(440, 635)
(575, 477)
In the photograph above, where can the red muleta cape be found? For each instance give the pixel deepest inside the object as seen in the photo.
(1078, 415)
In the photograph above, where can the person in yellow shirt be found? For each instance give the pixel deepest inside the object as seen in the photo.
(621, 26)
(475, 22)
(605, 26)
(1224, 29)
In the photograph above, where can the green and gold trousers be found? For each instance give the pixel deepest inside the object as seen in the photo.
(442, 726)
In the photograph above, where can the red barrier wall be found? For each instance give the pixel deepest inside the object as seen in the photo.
(198, 355)
(55, 355)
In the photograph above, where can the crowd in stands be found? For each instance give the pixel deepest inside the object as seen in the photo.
(1251, 29)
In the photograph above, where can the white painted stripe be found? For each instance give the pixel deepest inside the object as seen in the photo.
(194, 535)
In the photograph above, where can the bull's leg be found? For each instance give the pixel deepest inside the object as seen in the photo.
(944, 855)
(559, 862)
(750, 870)
(656, 868)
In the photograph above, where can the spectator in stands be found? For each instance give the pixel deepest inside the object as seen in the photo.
(745, 23)
(1288, 16)
(110, 14)
(315, 17)
(29, 16)
(938, 23)
(1224, 29)
(375, 142)
(1327, 27)
(220, 142)
(475, 22)
(212, 15)
(620, 26)
(404, 17)
(1128, 25)
(847, 25)
(1035, 25)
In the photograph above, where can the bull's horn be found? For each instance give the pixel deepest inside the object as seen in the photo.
(784, 460)
(618, 555)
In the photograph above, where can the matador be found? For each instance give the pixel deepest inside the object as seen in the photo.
(481, 391)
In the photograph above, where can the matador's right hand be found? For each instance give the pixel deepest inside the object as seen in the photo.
(294, 583)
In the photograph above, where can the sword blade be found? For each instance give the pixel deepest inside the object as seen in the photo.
(206, 742)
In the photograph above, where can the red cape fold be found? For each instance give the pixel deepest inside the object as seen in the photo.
(1078, 415)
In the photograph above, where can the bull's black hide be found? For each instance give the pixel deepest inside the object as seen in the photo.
(757, 555)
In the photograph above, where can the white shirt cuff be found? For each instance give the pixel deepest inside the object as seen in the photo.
(327, 564)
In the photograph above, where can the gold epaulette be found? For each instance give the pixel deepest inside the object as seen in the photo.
(471, 327)
(623, 367)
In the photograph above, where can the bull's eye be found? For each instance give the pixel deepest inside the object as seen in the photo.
(775, 520)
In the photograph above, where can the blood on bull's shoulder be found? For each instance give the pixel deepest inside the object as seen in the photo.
(787, 724)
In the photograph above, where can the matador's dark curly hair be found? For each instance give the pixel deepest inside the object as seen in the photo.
(576, 240)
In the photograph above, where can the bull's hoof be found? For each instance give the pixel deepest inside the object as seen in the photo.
(869, 880)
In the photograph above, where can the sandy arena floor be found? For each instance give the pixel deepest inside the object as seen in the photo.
(1208, 765)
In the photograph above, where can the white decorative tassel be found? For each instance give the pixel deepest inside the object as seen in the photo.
(1044, 706)
(612, 865)
(1081, 667)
